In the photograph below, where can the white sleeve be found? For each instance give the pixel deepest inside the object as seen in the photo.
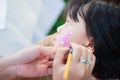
(3, 7)
(50, 11)
(27, 21)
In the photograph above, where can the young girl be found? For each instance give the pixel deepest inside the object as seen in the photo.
(94, 24)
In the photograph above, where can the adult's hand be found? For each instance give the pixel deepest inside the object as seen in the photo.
(78, 70)
(30, 62)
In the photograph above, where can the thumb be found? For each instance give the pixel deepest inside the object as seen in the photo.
(59, 57)
(46, 50)
(25, 55)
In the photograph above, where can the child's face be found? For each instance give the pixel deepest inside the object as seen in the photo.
(71, 31)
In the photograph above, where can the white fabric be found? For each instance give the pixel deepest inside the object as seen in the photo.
(47, 17)
(3, 7)
(27, 21)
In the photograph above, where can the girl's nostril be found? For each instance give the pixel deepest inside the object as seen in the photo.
(59, 29)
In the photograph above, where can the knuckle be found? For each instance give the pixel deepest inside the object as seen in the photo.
(78, 47)
(94, 58)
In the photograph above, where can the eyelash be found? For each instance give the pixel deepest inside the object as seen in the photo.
(67, 21)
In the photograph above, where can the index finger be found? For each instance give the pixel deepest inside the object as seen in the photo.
(48, 51)
(59, 57)
(77, 51)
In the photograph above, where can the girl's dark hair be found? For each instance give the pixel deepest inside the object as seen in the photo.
(102, 19)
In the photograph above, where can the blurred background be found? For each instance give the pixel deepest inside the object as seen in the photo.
(61, 19)
(25, 22)
(52, 16)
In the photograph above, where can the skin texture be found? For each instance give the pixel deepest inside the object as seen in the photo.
(29, 62)
(75, 32)
(82, 49)
(36, 61)
(78, 70)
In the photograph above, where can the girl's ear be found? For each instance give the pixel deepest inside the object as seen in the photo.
(90, 45)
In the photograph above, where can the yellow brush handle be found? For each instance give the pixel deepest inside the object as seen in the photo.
(65, 76)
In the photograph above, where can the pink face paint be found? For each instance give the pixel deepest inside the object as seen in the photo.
(64, 40)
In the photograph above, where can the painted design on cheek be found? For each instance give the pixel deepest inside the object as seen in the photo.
(64, 40)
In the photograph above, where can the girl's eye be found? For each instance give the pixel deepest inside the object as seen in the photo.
(67, 22)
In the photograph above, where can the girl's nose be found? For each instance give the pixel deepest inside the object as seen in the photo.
(59, 29)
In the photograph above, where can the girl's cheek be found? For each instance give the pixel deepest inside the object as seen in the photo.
(64, 39)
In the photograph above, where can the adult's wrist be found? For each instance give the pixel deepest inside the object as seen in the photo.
(5, 61)
(6, 69)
